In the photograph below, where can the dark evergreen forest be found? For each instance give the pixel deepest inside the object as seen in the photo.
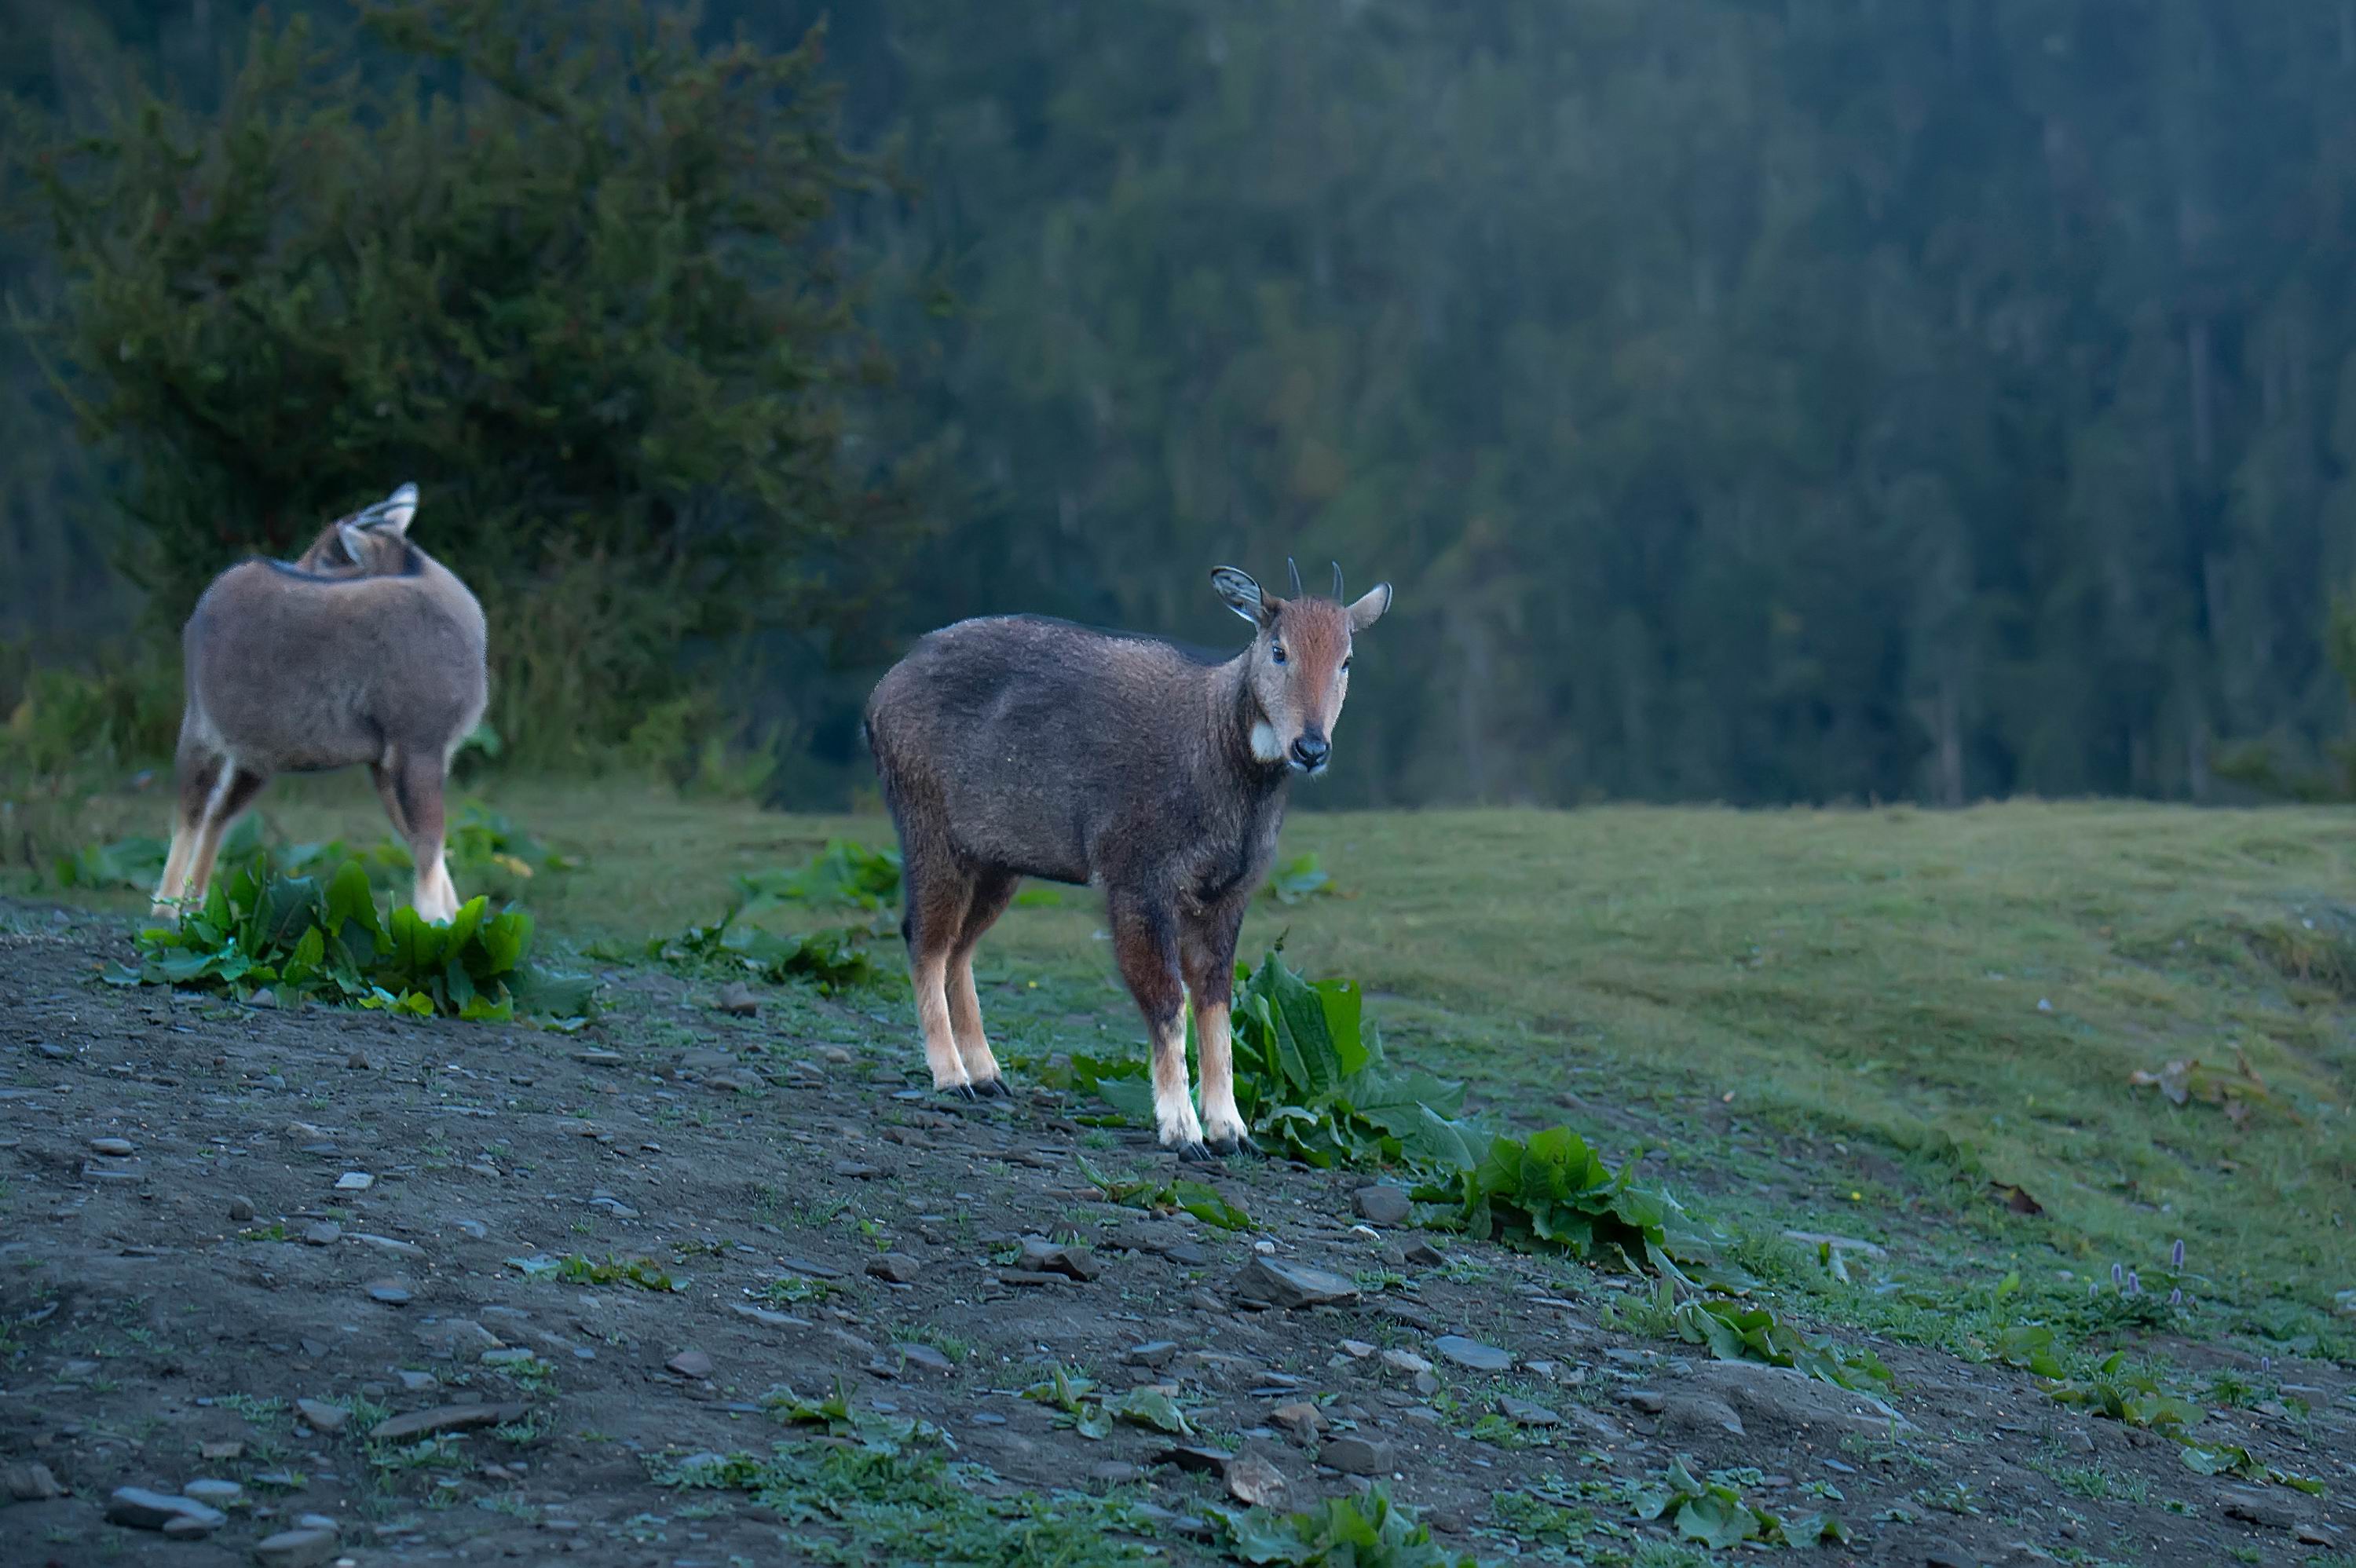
(1762, 400)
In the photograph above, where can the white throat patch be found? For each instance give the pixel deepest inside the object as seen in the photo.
(1265, 746)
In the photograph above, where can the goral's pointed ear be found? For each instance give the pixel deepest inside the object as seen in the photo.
(1369, 609)
(1243, 595)
(393, 514)
(355, 543)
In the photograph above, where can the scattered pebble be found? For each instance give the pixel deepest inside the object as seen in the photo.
(1357, 1455)
(1043, 1256)
(142, 1510)
(213, 1493)
(297, 1547)
(691, 1364)
(119, 1147)
(1302, 1418)
(241, 1209)
(29, 1483)
(1381, 1203)
(390, 1292)
(738, 1001)
(898, 1268)
(1474, 1354)
(321, 1416)
(1292, 1286)
(445, 1418)
(355, 1181)
(326, 1234)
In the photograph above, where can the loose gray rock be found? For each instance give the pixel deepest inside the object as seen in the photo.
(213, 1493)
(326, 1234)
(1253, 1481)
(321, 1416)
(417, 1382)
(691, 1364)
(1652, 1401)
(1195, 1457)
(241, 1209)
(1528, 1412)
(390, 1292)
(897, 1268)
(1292, 1286)
(1152, 1353)
(296, 1548)
(1405, 1361)
(1355, 1456)
(1423, 1255)
(1474, 1354)
(1302, 1418)
(29, 1483)
(1699, 1413)
(767, 1318)
(119, 1147)
(445, 1418)
(2260, 1507)
(142, 1510)
(737, 1001)
(925, 1355)
(1772, 1400)
(1043, 1256)
(1382, 1204)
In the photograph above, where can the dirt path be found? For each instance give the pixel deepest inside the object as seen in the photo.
(330, 1208)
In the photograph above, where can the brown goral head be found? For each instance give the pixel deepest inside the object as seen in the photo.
(371, 542)
(1297, 673)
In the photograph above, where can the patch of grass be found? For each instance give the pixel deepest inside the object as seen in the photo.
(2099, 1483)
(907, 1502)
(1863, 985)
(576, 1268)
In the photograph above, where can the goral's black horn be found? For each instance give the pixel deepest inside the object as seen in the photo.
(1293, 567)
(1337, 582)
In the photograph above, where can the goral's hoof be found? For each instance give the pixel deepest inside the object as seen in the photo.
(962, 1092)
(1239, 1144)
(992, 1089)
(1195, 1152)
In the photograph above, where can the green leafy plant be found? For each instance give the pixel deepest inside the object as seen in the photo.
(134, 863)
(833, 959)
(1717, 1516)
(1735, 1332)
(297, 937)
(1371, 1531)
(1092, 1415)
(845, 874)
(1312, 1080)
(1199, 1198)
(1550, 1191)
(2230, 1460)
(2135, 1398)
(1299, 880)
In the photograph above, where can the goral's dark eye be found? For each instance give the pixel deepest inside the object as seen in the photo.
(1275, 653)
(1346, 663)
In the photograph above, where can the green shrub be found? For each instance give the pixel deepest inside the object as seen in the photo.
(297, 937)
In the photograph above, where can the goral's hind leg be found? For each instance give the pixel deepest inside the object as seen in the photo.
(992, 892)
(1145, 943)
(938, 894)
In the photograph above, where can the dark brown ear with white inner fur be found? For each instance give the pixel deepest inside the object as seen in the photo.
(1370, 607)
(1243, 595)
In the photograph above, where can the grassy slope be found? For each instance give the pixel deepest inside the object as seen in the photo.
(1848, 1020)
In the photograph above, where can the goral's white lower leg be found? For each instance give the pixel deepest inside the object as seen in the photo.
(932, 1015)
(1173, 1108)
(965, 1022)
(1222, 1123)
